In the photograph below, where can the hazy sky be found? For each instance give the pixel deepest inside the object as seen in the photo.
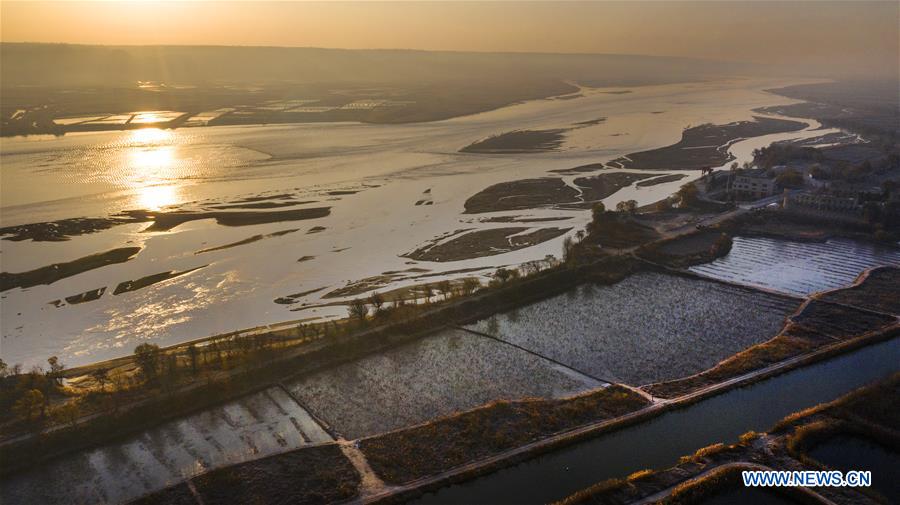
(844, 33)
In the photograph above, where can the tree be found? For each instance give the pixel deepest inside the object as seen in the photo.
(503, 274)
(626, 207)
(687, 195)
(4, 370)
(193, 356)
(29, 405)
(598, 212)
(532, 267)
(101, 375)
(469, 285)
(168, 372)
(817, 172)
(568, 252)
(663, 205)
(377, 301)
(56, 368)
(68, 413)
(872, 212)
(358, 310)
(147, 357)
(446, 288)
(790, 179)
(721, 246)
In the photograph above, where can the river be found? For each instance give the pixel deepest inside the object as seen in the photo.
(371, 177)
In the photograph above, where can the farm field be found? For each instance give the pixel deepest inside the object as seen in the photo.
(265, 423)
(448, 372)
(798, 268)
(647, 328)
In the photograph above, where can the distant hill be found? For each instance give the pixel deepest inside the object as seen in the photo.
(61, 65)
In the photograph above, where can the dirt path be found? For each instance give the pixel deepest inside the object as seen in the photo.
(370, 483)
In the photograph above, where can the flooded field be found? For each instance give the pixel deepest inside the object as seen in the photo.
(382, 190)
(647, 328)
(258, 425)
(451, 371)
(798, 268)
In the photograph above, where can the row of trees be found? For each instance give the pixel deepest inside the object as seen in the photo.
(27, 395)
(379, 307)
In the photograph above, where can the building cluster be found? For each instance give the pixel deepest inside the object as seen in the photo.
(754, 184)
(816, 195)
(846, 200)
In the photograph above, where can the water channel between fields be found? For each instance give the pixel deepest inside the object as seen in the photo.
(659, 443)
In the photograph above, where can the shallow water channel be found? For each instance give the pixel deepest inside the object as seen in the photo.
(854, 453)
(661, 441)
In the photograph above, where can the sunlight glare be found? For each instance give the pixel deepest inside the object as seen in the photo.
(149, 136)
(152, 165)
(152, 161)
(157, 197)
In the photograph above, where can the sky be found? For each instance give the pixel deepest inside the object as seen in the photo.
(855, 34)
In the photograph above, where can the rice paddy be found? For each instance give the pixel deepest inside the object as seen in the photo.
(647, 328)
(448, 372)
(265, 423)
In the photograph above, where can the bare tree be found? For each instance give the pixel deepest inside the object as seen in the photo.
(56, 368)
(446, 288)
(193, 356)
(377, 302)
(29, 405)
(101, 375)
(469, 285)
(428, 291)
(626, 207)
(68, 413)
(503, 274)
(568, 249)
(147, 357)
(358, 310)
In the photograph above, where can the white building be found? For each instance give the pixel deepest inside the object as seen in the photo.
(754, 184)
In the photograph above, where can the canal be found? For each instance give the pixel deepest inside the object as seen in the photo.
(659, 443)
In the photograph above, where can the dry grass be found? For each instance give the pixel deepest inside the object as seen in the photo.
(435, 447)
(880, 291)
(312, 475)
(780, 348)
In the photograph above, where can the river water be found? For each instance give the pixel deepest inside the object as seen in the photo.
(389, 167)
